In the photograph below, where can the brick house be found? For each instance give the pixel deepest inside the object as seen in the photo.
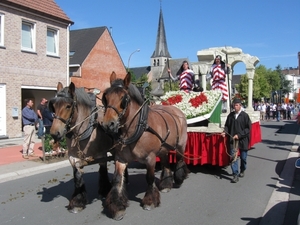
(34, 53)
(93, 57)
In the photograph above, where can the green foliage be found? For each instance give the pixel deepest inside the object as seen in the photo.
(48, 145)
(265, 82)
(171, 85)
(140, 82)
(263, 89)
(242, 87)
(133, 76)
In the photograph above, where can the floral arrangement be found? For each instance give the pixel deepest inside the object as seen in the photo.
(192, 104)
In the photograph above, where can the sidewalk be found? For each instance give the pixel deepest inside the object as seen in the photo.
(13, 166)
(12, 149)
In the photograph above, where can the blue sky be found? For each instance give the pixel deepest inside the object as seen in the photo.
(268, 29)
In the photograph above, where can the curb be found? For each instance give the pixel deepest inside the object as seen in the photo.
(278, 196)
(32, 171)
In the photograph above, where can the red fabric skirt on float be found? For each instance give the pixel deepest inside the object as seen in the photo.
(209, 148)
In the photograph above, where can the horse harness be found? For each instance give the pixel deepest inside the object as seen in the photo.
(92, 121)
(144, 126)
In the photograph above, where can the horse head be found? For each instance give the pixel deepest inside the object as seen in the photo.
(63, 106)
(115, 99)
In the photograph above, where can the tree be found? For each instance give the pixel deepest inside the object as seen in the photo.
(242, 87)
(265, 82)
(264, 88)
(133, 77)
(144, 86)
(174, 86)
(285, 85)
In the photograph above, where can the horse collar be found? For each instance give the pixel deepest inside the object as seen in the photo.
(141, 127)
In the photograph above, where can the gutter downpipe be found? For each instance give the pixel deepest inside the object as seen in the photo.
(68, 52)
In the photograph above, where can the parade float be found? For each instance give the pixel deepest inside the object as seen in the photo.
(205, 145)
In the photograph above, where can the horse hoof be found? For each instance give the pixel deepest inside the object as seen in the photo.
(148, 207)
(165, 190)
(75, 210)
(119, 215)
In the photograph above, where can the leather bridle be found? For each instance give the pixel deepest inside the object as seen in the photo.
(68, 121)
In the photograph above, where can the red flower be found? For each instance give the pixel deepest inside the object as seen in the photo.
(172, 100)
(197, 101)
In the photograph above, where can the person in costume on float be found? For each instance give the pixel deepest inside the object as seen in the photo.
(186, 78)
(237, 127)
(218, 72)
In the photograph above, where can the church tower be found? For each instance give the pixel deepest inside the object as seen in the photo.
(161, 53)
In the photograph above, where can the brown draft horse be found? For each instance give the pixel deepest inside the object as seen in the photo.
(143, 133)
(78, 119)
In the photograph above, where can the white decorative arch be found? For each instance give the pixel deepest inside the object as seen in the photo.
(233, 56)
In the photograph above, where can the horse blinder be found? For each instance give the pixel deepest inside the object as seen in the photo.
(125, 101)
(104, 101)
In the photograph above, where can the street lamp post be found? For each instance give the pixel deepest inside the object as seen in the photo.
(130, 57)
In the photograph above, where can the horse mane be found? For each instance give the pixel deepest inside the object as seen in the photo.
(133, 91)
(82, 98)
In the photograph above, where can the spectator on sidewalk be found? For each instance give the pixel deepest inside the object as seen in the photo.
(288, 110)
(40, 109)
(279, 109)
(263, 111)
(29, 119)
(274, 111)
(268, 111)
(284, 110)
(47, 119)
(237, 127)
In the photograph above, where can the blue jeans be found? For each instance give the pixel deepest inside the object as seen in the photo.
(278, 116)
(40, 132)
(235, 164)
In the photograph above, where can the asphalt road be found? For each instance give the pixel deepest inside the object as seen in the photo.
(207, 197)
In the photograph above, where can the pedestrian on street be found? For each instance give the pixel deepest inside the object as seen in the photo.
(29, 119)
(237, 127)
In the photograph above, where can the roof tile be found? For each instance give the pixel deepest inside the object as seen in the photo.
(48, 7)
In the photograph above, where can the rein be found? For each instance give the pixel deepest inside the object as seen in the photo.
(69, 130)
(91, 117)
(233, 156)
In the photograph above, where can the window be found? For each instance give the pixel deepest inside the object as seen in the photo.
(28, 36)
(52, 41)
(71, 53)
(1, 29)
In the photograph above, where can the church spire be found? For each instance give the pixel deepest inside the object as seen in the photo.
(161, 47)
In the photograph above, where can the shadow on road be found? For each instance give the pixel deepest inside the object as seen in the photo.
(274, 215)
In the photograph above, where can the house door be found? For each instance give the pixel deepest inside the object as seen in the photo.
(2, 110)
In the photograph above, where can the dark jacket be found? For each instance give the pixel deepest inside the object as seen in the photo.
(47, 117)
(240, 126)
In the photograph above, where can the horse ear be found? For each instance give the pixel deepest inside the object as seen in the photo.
(72, 89)
(59, 86)
(127, 80)
(113, 77)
